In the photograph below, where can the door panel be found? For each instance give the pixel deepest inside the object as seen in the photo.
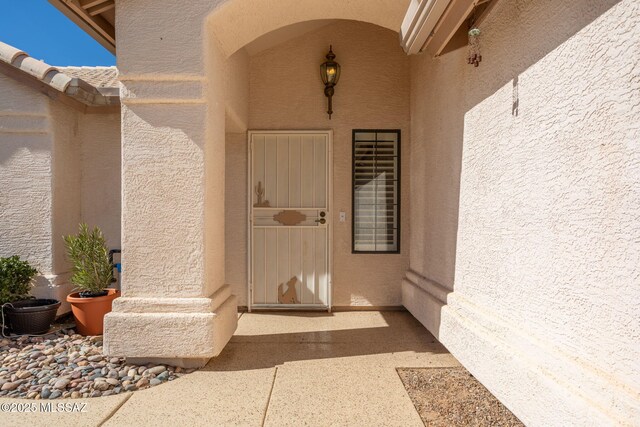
(289, 219)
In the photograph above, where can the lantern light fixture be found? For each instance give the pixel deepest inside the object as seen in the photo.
(330, 74)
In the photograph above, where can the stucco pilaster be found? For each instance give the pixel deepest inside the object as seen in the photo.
(163, 199)
(172, 221)
(164, 187)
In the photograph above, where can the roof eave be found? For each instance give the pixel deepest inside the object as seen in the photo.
(89, 95)
(96, 26)
(78, 94)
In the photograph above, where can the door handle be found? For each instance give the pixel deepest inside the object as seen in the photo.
(321, 220)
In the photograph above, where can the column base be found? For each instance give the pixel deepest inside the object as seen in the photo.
(181, 362)
(184, 332)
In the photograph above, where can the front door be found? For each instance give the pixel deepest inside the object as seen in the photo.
(289, 219)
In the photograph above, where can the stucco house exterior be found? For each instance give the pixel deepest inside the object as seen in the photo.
(505, 197)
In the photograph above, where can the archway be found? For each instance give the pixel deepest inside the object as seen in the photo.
(285, 94)
(236, 23)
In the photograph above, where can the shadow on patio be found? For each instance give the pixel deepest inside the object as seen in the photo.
(290, 369)
(265, 340)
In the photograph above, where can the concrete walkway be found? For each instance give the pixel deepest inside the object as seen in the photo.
(294, 369)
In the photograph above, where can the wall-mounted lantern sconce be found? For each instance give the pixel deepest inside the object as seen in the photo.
(330, 74)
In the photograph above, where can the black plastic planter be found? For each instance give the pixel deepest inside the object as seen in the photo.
(31, 316)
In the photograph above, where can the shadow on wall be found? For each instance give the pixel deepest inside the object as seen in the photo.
(35, 146)
(436, 204)
(163, 171)
(522, 258)
(530, 40)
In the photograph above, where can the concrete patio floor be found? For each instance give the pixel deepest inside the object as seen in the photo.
(280, 369)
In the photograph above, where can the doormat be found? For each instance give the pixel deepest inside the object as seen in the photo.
(453, 397)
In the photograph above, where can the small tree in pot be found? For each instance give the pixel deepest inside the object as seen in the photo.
(24, 314)
(92, 274)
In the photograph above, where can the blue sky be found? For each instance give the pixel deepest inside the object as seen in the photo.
(39, 29)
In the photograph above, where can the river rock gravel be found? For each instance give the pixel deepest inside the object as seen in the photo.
(65, 364)
(448, 397)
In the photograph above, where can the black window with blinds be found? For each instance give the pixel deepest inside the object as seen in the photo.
(376, 191)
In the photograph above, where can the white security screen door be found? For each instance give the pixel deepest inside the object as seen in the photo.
(289, 188)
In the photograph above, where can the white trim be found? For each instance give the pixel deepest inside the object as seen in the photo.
(288, 307)
(249, 220)
(329, 211)
(419, 23)
(502, 350)
(329, 216)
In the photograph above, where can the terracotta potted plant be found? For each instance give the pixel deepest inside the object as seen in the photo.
(24, 315)
(92, 274)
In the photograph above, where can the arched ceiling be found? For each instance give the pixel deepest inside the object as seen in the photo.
(237, 23)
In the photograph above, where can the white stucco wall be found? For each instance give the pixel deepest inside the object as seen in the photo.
(525, 253)
(100, 183)
(173, 138)
(235, 209)
(66, 180)
(55, 164)
(174, 88)
(26, 141)
(286, 92)
(236, 92)
(237, 23)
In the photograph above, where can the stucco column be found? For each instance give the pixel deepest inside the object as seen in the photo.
(171, 307)
(174, 307)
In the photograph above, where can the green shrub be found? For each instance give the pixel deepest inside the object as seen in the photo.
(15, 279)
(92, 271)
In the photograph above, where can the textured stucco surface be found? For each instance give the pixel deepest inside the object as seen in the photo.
(525, 197)
(286, 93)
(237, 92)
(26, 142)
(55, 164)
(237, 23)
(218, 87)
(162, 75)
(235, 246)
(163, 199)
(66, 176)
(100, 183)
(171, 335)
(173, 137)
(179, 90)
(154, 37)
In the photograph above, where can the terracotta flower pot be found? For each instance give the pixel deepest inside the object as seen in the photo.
(89, 312)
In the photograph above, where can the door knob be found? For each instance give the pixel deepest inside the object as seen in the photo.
(321, 220)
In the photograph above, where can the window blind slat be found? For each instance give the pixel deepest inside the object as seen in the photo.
(375, 191)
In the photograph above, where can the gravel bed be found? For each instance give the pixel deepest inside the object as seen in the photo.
(65, 364)
(453, 397)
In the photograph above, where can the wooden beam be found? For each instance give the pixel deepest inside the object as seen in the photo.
(86, 4)
(98, 9)
(97, 27)
(97, 22)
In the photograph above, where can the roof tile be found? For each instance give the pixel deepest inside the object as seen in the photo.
(99, 77)
(34, 67)
(90, 85)
(9, 53)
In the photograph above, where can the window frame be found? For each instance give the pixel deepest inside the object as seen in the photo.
(398, 189)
